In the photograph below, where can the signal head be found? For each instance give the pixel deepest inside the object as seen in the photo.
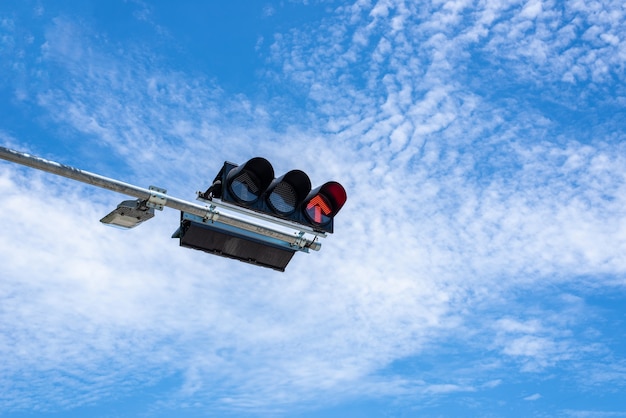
(247, 182)
(252, 185)
(287, 192)
(323, 203)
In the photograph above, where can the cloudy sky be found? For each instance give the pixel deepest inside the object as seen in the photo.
(477, 269)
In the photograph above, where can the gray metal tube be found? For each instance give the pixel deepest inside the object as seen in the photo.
(73, 173)
(145, 194)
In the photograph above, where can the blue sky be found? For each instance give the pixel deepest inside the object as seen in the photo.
(477, 269)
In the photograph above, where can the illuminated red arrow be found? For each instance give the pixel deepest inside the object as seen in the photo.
(319, 208)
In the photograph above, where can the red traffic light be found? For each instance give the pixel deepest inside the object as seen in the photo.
(324, 203)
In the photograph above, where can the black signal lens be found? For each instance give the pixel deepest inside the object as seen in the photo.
(287, 192)
(283, 198)
(246, 187)
(248, 181)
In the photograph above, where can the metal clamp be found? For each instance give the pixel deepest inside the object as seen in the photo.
(157, 199)
(305, 244)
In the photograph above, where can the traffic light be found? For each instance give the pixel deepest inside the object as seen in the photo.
(323, 203)
(252, 185)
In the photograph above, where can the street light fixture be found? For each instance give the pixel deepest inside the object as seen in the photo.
(129, 214)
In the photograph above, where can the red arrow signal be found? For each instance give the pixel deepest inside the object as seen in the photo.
(318, 208)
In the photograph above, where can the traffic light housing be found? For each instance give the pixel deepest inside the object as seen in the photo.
(252, 185)
(227, 241)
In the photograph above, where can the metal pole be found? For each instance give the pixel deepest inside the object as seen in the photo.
(146, 194)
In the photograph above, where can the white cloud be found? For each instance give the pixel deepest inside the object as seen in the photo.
(533, 397)
(456, 200)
